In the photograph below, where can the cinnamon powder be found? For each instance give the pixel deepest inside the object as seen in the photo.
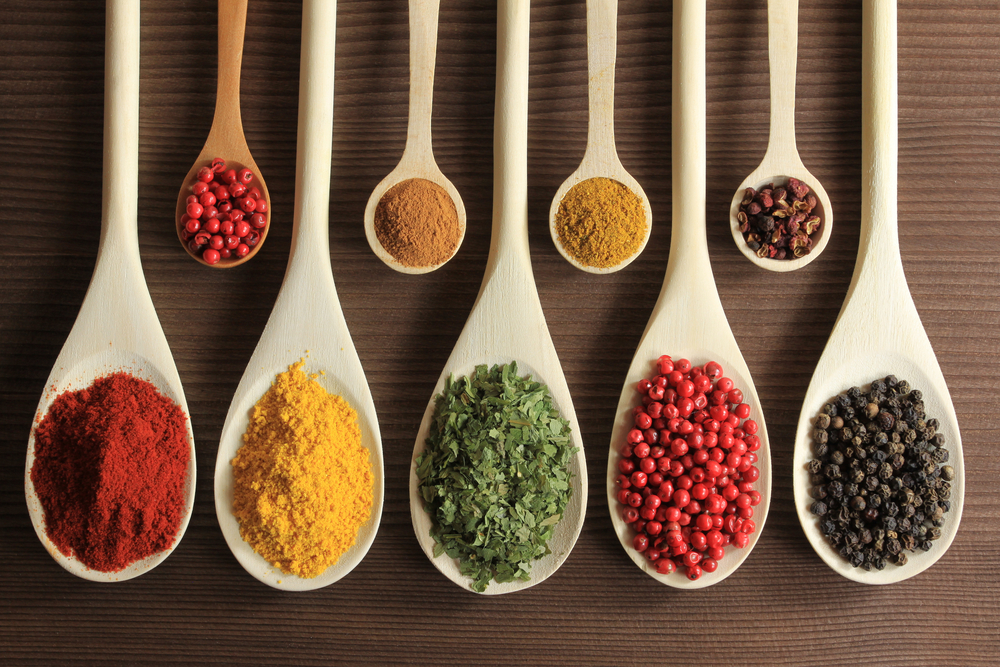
(417, 223)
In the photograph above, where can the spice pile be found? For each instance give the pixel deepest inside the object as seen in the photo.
(417, 223)
(601, 223)
(879, 487)
(225, 215)
(110, 469)
(494, 475)
(303, 484)
(687, 468)
(778, 222)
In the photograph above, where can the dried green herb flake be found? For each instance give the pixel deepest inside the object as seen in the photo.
(494, 475)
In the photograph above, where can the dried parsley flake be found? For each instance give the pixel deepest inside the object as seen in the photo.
(494, 475)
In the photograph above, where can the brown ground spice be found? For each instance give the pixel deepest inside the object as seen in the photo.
(417, 223)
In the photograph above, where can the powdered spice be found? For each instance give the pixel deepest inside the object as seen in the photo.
(417, 223)
(303, 484)
(601, 222)
(110, 469)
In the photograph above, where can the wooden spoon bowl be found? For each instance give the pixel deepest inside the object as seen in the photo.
(226, 139)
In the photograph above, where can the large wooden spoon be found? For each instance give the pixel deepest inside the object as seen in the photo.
(600, 159)
(418, 154)
(688, 320)
(226, 138)
(878, 331)
(117, 328)
(507, 323)
(307, 319)
(782, 161)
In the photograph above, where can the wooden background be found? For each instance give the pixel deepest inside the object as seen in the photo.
(784, 606)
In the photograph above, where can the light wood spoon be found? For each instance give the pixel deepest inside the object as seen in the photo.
(878, 331)
(507, 323)
(600, 159)
(225, 138)
(117, 328)
(307, 319)
(782, 161)
(688, 320)
(418, 154)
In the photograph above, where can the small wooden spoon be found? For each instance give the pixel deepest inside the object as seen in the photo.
(226, 139)
(418, 155)
(117, 328)
(507, 323)
(782, 161)
(878, 331)
(600, 159)
(688, 320)
(307, 319)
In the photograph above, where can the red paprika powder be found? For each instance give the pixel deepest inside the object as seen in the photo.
(110, 468)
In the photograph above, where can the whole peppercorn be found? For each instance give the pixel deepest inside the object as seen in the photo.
(879, 485)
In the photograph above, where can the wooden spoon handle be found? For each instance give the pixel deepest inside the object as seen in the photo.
(509, 243)
(232, 28)
(602, 44)
(688, 243)
(880, 135)
(311, 232)
(782, 48)
(423, 50)
(121, 128)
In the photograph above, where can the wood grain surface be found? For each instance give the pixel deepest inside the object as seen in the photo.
(784, 606)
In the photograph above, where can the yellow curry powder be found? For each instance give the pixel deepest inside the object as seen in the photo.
(302, 481)
(601, 223)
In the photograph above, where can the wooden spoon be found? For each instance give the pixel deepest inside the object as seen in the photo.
(307, 319)
(506, 323)
(688, 320)
(600, 159)
(878, 331)
(781, 161)
(226, 139)
(117, 328)
(418, 154)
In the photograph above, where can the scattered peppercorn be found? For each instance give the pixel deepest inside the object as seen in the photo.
(225, 215)
(687, 468)
(878, 487)
(778, 222)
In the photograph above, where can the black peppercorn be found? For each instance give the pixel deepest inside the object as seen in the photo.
(878, 483)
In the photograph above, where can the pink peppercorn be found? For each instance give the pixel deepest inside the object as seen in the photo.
(219, 201)
(689, 462)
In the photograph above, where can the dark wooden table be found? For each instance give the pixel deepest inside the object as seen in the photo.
(784, 606)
